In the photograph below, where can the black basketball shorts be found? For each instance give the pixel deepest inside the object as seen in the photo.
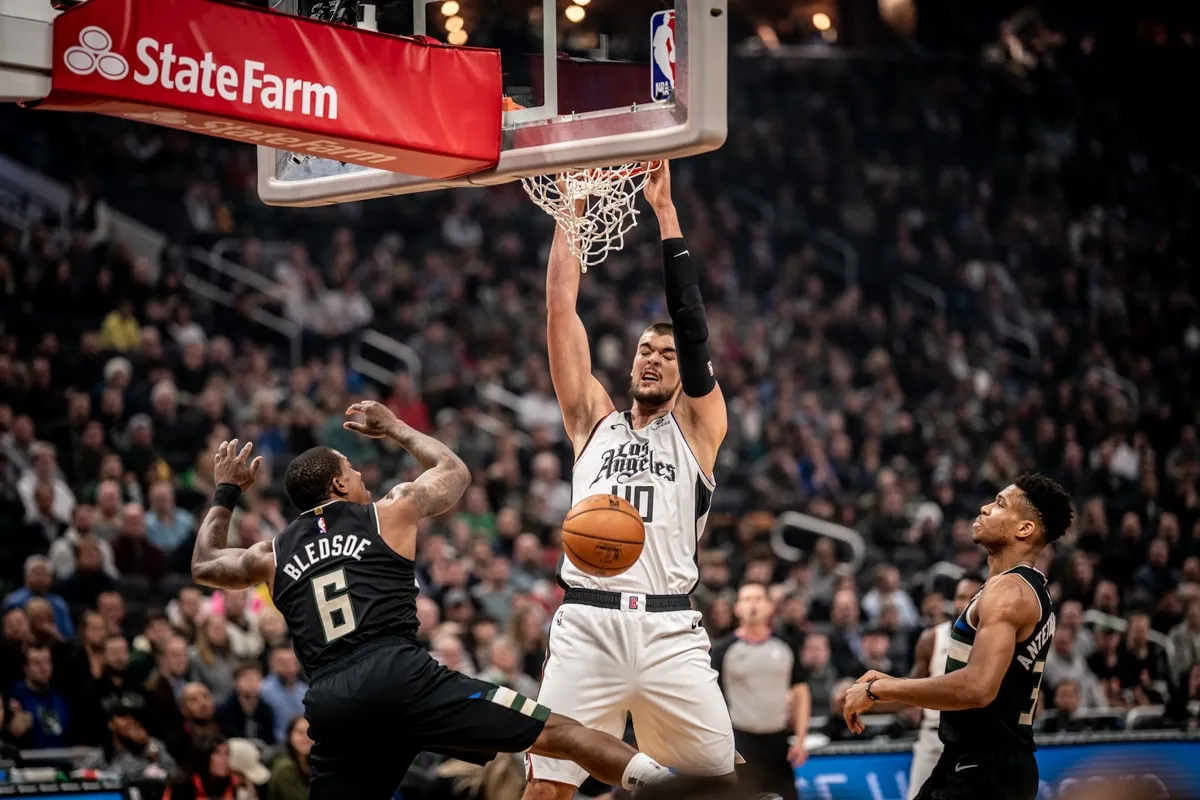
(369, 719)
(982, 775)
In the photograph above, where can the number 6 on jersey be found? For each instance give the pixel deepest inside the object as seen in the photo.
(333, 604)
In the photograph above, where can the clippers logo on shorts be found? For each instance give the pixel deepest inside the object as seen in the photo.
(630, 459)
(633, 603)
(662, 65)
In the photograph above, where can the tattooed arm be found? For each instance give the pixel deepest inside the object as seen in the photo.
(435, 492)
(214, 564)
(221, 567)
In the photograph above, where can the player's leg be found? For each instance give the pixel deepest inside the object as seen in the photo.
(588, 678)
(353, 755)
(605, 757)
(926, 752)
(448, 712)
(368, 774)
(679, 713)
(467, 716)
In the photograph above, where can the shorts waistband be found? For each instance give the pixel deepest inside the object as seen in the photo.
(358, 655)
(628, 601)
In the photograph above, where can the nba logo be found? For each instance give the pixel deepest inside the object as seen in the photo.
(633, 603)
(662, 51)
(321, 525)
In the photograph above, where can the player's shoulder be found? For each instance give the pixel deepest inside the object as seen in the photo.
(1009, 597)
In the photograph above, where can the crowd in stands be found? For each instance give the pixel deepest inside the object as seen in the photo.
(1056, 201)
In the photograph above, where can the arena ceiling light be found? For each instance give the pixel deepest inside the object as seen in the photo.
(449, 8)
(457, 38)
(575, 13)
(455, 24)
(821, 21)
(581, 2)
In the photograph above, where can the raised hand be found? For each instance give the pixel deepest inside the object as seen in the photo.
(378, 420)
(233, 466)
(658, 186)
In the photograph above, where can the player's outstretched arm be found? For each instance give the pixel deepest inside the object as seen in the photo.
(583, 401)
(1003, 610)
(214, 564)
(438, 488)
(701, 410)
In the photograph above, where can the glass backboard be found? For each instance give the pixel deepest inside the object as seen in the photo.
(598, 82)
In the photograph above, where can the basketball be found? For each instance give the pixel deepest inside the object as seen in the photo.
(603, 535)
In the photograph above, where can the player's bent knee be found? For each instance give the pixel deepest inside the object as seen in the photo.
(548, 790)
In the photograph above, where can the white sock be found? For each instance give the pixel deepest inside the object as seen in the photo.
(642, 770)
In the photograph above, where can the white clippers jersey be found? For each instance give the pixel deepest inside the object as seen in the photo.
(655, 470)
(937, 664)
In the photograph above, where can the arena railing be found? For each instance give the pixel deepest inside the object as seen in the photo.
(22, 182)
(1099, 619)
(216, 265)
(1118, 383)
(1030, 360)
(836, 256)
(820, 528)
(284, 327)
(1125, 719)
(920, 287)
(370, 339)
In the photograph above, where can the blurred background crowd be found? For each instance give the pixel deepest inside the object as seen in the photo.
(923, 277)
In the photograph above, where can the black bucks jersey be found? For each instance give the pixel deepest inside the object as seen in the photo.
(339, 586)
(1007, 722)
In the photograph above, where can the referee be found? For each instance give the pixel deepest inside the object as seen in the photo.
(766, 688)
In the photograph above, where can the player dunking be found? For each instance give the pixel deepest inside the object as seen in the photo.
(933, 646)
(342, 575)
(996, 656)
(631, 643)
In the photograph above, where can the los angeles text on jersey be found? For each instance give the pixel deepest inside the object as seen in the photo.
(336, 546)
(1036, 646)
(629, 459)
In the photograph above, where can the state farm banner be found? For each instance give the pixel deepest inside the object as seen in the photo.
(243, 73)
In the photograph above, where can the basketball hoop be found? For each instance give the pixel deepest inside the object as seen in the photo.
(608, 195)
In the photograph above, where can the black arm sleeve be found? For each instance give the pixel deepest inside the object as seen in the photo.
(689, 319)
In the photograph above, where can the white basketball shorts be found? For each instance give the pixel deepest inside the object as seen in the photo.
(926, 753)
(603, 664)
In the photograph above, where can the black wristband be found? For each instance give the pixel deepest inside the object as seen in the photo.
(226, 495)
(871, 695)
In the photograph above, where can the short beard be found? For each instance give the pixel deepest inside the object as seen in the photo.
(655, 398)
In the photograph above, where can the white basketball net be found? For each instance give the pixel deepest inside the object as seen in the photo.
(609, 194)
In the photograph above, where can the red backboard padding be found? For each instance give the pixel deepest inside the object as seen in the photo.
(230, 70)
